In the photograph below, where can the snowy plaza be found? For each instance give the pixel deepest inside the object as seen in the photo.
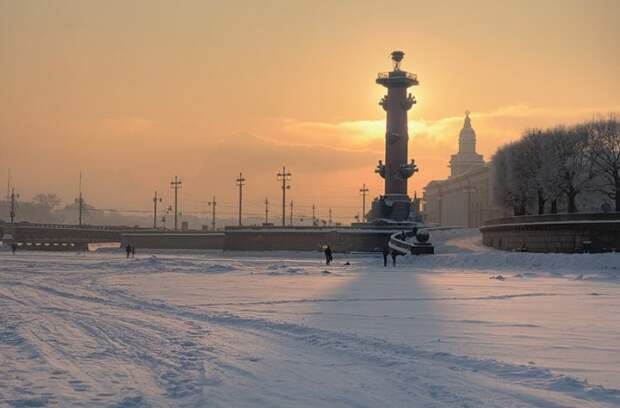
(468, 327)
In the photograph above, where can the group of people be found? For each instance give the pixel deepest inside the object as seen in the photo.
(386, 252)
(130, 250)
(389, 252)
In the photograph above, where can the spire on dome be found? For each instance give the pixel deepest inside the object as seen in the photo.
(467, 123)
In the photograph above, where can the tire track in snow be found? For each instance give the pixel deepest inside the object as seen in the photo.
(385, 299)
(380, 351)
(152, 335)
(132, 350)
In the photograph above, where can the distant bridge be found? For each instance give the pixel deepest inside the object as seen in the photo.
(60, 236)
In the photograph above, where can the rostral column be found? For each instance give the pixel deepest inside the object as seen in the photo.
(395, 204)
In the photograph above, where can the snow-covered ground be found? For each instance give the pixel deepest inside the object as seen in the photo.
(468, 327)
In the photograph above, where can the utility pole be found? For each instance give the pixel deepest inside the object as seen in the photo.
(80, 202)
(364, 191)
(240, 183)
(176, 185)
(314, 215)
(8, 185)
(155, 201)
(266, 210)
(13, 197)
(330, 217)
(212, 204)
(291, 214)
(284, 177)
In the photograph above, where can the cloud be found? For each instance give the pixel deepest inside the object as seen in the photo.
(431, 141)
(136, 155)
(245, 150)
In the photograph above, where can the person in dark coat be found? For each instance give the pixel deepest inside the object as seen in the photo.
(128, 250)
(394, 254)
(133, 251)
(328, 255)
(386, 252)
(13, 248)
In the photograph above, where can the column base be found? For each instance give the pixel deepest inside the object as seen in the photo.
(393, 207)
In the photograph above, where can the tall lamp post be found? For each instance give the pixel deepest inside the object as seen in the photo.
(364, 191)
(212, 204)
(13, 199)
(176, 185)
(156, 200)
(285, 178)
(240, 182)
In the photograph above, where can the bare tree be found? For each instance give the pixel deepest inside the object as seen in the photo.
(499, 169)
(48, 201)
(510, 178)
(520, 178)
(604, 143)
(574, 168)
(539, 169)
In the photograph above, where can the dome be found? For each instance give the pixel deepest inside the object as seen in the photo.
(467, 136)
(466, 158)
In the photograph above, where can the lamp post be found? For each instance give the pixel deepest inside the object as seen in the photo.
(240, 183)
(176, 185)
(285, 178)
(13, 199)
(212, 204)
(156, 200)
(363, 191)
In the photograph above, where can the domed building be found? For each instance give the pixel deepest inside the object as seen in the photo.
(465, 198)
(467, 158)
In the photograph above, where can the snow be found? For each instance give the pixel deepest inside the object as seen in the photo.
(468, 327)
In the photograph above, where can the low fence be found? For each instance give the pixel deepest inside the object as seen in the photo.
(568, 232)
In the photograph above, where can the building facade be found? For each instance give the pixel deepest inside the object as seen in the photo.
(465, 198)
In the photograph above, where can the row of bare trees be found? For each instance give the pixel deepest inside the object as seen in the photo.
(558, 166)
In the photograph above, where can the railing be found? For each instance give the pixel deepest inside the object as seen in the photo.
(69, 226)
(397, 74)
(555, 218)
(399, 243)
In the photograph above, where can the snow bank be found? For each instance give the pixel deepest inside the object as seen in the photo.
(463, 249)
(143, 264)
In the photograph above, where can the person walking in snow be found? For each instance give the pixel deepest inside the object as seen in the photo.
(13, 248)
(328, 255)
(394, 254)
(133, 251)
(386, 252)
(128, 250)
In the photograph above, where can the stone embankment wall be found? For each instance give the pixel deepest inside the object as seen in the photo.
(60, 237)
(174, 240)
(341, 239)
(576, 232)
(306, 239)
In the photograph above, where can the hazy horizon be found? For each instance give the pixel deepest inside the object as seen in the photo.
(133, 94)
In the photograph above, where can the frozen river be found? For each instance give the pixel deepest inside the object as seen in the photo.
(468, 327)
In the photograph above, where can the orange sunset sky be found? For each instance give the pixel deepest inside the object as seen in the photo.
(134, 92)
